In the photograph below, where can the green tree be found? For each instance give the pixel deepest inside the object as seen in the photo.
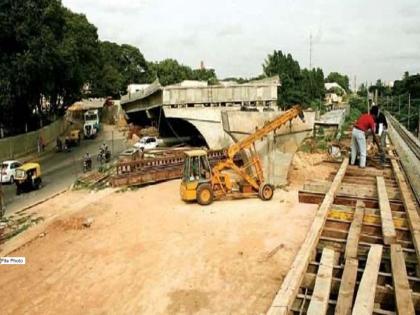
(205, 75)
(79, 52)
(313, 85)
(341, 79)
(362, 90)
(120, 65)
(297, 86)
(381, 89)
(409, 84)
(46, 53)
(169, 71)
(30, 36)
(290, 75)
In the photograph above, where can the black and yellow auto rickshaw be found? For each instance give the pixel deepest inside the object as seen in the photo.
(28, 177)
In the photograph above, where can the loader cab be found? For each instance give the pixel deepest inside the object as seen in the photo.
(196, 167)
(196, 178)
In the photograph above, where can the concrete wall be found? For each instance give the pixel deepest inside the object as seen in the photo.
(178, 95)
(276, 150)
(245, 122)
(18, 146)
(208, 120)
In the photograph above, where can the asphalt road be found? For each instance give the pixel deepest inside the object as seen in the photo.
(60, 170)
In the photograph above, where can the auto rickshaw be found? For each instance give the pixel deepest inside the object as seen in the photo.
(28, 177)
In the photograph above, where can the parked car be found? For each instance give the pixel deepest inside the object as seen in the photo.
(147, 143)
(8, 171)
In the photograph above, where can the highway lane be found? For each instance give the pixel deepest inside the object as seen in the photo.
(60, 170)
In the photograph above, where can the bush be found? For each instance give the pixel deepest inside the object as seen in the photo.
(359, 103)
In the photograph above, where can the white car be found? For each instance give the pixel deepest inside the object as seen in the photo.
(147, 143)
(8, 171)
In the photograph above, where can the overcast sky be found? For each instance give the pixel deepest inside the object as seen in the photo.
(367, 39)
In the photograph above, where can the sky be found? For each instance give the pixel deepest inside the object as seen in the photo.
(363, 39)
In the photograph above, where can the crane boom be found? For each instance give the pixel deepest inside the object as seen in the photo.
(248, 141)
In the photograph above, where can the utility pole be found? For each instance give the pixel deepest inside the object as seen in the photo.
(399, 105)
(310, 51)
(367, 97)
(392, 103)
(355, 84)
(409, 111)
(418, 125)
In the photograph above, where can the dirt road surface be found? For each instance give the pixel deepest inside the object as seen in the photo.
(147, 252)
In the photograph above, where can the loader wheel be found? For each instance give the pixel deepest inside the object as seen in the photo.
(266, 192)
(204, 194)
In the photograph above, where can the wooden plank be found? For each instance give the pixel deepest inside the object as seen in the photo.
(316, 198)
(354, 232)
(388, 229)
(384, 293)
(348, 283)
(360, 190)
(284, 298)
(402, 291)
(365, 297)
(409, 205)
(321, 294)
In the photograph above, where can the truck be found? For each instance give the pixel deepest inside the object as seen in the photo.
(91, 124)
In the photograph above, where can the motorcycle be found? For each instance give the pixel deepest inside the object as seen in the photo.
(104, 156)
(87, 165)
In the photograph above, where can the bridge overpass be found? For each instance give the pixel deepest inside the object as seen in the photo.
(212, 115)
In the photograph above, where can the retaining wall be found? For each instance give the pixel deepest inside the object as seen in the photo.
(21, 145)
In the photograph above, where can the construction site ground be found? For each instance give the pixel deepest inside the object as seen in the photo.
(145, 251)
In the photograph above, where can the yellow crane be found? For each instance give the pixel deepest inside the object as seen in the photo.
(204, 184)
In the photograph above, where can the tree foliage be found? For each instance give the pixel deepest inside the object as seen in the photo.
(46, 52)
(120, 65)
(170, 71)
(409, 84)
(297, 86)
(362, 90)
(341, 79)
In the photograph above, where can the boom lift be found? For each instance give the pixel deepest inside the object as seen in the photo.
(203, 184)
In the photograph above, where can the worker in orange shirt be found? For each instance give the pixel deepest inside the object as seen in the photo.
(365, 123)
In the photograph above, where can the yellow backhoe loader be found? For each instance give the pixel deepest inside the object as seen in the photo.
(204, 184)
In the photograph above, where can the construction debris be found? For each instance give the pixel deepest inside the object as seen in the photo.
(13, 225)
(91, 179)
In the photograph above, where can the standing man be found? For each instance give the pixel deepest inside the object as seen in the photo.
(381, 131)
(365, 123)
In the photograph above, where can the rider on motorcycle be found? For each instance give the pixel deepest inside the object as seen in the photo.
(87, 161)
(103, 148)
(59, 144)
(104, 153)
